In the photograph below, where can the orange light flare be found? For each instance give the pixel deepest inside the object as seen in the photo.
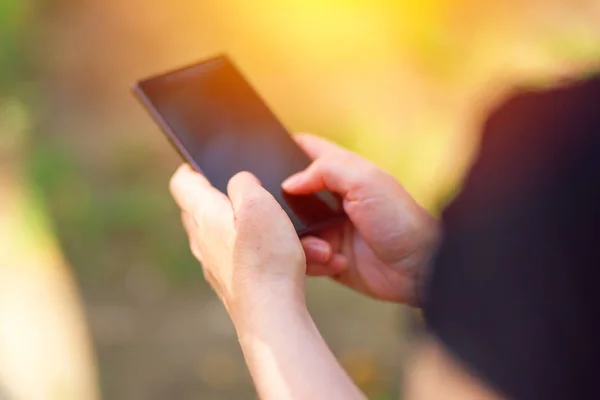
(406, 83)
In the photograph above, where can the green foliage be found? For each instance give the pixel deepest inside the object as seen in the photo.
(14, 126)
(12, 17)
(385, 396)
(110, 220)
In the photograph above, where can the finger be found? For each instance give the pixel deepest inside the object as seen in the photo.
(338, 173)
(316, 146)
(244, 188)
(317, 250)
(190, 227)
(336, 266)
(250, 200)
(335, 168)
(208, 277)
(188, 223)
(196, 196)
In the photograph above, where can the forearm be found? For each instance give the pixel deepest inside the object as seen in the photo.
(286, 354)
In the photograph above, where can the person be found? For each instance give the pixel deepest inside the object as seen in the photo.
(507, 279)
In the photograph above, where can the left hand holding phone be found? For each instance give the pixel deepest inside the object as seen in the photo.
(252, 257)
(246, 243)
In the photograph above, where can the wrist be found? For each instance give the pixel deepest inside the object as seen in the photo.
(262, 303)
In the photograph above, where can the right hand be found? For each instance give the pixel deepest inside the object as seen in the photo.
(388, 239)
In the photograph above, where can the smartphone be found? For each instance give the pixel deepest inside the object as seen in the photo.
(220, 126)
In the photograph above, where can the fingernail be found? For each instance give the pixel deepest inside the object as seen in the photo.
(291, 181)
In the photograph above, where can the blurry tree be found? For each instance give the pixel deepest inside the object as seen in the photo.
(403, 82)
(44, 348)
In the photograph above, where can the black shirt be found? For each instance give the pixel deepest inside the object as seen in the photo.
(515, 288)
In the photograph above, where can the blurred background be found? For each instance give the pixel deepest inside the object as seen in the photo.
(99, 295)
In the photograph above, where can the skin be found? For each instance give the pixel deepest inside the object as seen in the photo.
(388, 238)
(381, 252)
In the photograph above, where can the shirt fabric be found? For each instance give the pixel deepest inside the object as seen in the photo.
(514, 292)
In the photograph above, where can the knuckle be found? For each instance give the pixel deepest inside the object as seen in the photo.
(346, 161)
(371, 171)
(323, 164)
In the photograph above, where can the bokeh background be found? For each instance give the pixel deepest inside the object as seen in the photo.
(99, 295)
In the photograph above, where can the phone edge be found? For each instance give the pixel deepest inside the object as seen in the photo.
(187, 66)
(225, 57)
(139, 93)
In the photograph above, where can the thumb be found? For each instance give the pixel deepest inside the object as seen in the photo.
(252, 203)
(245, 190)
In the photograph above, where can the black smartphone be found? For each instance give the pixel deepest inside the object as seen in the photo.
(221, 126)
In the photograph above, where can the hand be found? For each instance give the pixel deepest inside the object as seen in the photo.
(246, 243)
(388, 239)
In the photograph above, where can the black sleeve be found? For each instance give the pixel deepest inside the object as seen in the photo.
(514, 292)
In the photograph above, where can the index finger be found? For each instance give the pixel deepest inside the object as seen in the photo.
(316, 146)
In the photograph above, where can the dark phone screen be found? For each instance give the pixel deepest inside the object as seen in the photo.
(222, 127)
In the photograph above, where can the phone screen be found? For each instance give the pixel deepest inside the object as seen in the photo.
(221, 126)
